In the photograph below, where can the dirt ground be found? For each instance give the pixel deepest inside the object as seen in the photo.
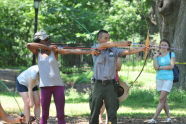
(121, 120)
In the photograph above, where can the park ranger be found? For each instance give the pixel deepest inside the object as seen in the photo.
(104, 74)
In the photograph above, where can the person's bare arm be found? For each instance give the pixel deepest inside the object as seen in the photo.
(134, 51)
(169, 67)
(77, 51)
(114, 44)
(7, 118)
(30, 92)
(2, 113)
(33, 47)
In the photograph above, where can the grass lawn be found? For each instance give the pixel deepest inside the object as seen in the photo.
(141, 102)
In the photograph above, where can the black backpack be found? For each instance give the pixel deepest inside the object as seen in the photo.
(175, 72)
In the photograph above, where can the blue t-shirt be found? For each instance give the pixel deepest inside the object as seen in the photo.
(164, 61)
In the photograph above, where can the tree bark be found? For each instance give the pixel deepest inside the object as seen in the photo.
(180, 42)
(167, 14)
(171, 20)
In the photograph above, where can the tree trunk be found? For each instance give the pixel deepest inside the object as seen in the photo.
(180, 42)
(171, 19)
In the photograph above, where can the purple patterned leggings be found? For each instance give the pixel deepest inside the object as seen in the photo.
(59, 99)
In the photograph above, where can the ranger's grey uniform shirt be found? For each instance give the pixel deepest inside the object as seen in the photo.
(105, 63)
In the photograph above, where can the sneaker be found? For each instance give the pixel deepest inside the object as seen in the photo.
(168, 120)
(152, 121)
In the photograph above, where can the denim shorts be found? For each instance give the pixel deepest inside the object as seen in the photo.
(22, 88)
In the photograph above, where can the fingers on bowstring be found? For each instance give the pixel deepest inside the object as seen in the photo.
(129, 43)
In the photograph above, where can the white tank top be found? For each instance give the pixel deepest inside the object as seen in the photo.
(32, 73)
(49, 70)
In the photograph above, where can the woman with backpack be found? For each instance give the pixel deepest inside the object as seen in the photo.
(163, 63)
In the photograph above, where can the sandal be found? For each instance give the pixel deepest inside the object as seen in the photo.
(33, 120)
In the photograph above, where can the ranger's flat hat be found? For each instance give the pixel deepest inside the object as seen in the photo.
(123, 91)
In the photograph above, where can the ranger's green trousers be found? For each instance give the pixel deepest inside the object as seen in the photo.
(107, 93)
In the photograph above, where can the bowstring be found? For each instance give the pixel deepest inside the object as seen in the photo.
(145, 61)
(74, 18)
(7, 88)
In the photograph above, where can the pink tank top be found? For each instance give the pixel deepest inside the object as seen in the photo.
(117, 77)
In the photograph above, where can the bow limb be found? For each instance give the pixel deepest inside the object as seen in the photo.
(146, 54)
(147, 45)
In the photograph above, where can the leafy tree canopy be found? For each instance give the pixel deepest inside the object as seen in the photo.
(67, 21)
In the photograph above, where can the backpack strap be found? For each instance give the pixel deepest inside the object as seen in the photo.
(170, 54)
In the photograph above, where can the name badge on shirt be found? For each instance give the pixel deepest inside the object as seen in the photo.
(111, 54)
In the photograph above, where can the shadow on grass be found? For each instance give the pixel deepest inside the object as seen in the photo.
(138, 98)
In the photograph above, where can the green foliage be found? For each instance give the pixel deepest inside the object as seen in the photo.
(127, 20)
(16, 20)
(70, 22)
(72, 96)
(81, 77)
(67, 21)
(143, 97)
(178, 96)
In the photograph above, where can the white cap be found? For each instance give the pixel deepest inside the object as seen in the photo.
(41, 35)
